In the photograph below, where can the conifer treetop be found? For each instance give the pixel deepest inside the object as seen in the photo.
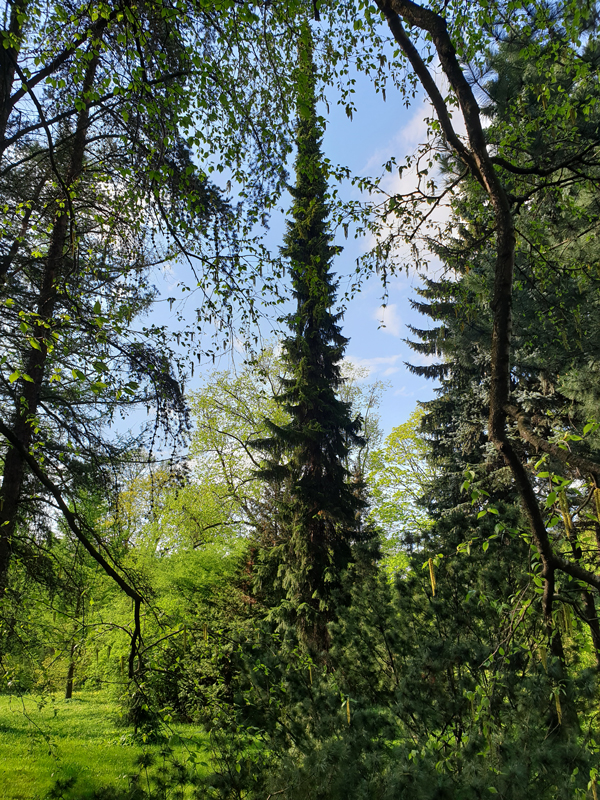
(318, 515)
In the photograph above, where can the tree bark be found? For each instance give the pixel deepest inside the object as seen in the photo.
(591, 617)
(70, 673)
(8, 63)
(28, 392)
(585, 465)
(481, 166)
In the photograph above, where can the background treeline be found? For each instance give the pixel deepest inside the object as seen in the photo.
(346, 617)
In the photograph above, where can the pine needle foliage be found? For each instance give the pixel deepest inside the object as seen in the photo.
(319, 504)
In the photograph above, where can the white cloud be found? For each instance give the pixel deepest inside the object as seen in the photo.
(424, 359)
(406, 140)
(390, 371)
(403, 392)
(372, 366)
(389, 319)
(409, 140)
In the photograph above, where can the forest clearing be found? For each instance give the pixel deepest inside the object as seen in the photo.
(222, 575)
(52, 745)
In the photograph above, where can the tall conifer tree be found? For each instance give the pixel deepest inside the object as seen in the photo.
(318, 513)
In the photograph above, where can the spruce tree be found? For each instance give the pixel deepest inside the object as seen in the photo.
(319, 505)
(554, 347)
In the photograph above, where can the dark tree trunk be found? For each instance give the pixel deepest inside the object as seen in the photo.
(7, 260)
(27, 400)
(591, 617)
(8, 63)
(479, 163)
(70, 674)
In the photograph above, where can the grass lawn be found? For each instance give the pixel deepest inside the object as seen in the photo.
(42, 740)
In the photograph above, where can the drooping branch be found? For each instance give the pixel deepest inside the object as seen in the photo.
(429, 84)
(78, 528)
(480, 163)
(93, 33)
(478, 160)
(74, 522)
(36, 359)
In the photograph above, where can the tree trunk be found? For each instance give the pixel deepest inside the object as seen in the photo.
(478, 161)
(591, 617)
(70, 674)
(28, 396)
(7, 260)
(8, 62)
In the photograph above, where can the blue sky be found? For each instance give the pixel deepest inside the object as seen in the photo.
(377, 131)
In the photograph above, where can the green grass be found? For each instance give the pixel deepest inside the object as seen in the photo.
(46, 739)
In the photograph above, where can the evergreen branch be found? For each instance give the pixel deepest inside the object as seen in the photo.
(544, 172)
(566, 457)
